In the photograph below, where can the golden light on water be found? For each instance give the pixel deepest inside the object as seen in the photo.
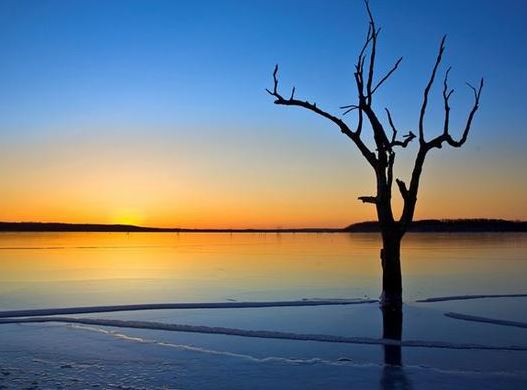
(167, 266)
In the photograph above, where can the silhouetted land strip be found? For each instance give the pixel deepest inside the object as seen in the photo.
(428, 225)
(69, 227)
(449, 225)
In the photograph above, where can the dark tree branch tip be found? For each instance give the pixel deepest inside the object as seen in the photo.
(472, 88)
(477, 92)
(442, 46)
(367, 4)
(349, 108)
(368, 199)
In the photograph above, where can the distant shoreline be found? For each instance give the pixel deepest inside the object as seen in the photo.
(428, 225)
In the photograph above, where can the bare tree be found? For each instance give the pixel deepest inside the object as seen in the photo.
(383, 157)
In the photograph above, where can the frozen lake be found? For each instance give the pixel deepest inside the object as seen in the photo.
(54, 270)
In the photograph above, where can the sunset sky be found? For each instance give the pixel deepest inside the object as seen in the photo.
(155, 112)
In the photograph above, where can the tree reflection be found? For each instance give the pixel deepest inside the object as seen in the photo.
(393, 375)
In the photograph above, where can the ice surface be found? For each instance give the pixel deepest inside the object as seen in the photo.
(467, 297)
(56, 356)
(495, 321)
(192, 305)
(266, 334)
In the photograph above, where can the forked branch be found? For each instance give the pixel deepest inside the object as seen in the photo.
(410, 194)
(438, 141)
(427, 90)
(394, 142)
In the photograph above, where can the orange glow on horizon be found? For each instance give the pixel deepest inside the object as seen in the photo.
(143, 183)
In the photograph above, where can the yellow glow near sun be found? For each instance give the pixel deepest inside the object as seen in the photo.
(127, 217)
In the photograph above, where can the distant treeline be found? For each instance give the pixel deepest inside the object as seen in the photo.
(426, 225)
(73, 227)
(449, 225)
(78, 227)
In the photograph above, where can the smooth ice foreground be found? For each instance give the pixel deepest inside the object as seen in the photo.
(36, 316)
(85, 352)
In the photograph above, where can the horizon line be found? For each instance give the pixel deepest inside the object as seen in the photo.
(461, 224)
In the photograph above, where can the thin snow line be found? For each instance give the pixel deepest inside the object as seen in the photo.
(466, 297)
(261, 333)
(182, 305)
(494, 321)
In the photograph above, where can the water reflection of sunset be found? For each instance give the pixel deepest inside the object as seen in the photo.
(118, 267)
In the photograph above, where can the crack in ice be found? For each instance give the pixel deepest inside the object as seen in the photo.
(266, 334)
(494, 321)
(181, 305)
(467, 297)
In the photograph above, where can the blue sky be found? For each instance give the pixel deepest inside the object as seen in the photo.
(193, 74)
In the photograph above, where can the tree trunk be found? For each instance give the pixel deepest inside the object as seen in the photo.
(392, 288)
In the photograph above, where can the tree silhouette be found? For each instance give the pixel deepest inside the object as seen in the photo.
(383, 157)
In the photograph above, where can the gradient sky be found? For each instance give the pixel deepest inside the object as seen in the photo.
(154, 112)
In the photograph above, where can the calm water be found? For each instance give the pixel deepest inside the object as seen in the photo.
(45, 270)
(57, 269)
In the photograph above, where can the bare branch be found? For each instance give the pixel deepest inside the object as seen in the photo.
(368, 199)
(348, 111)
(394, 130)
(407, 139)
(393, 69)
(477, 94)
(369, 37)
(350, 108)
(353, 135)
(394, 142)
(360, 63)
(410, 200)
(370, 15)
(374, 34)
(373, 53)
(359, 124)
(473, 89)
(275, 82)
(446, 97)
(391, 161)
(379, 134)
(427, 90)
(438, 141)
